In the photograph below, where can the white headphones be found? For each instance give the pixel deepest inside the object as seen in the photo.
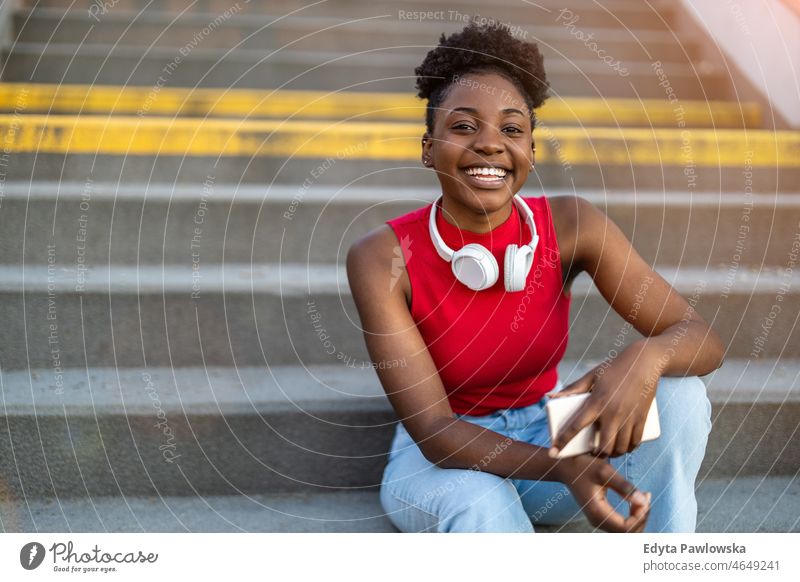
(476, 267)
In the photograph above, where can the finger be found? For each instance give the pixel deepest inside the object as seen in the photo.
(643, 523)
(608, 519)
(623, 440)
(636, 436)
(622, 486)
(583, 417)
(639, 501)
(579, 386)
(602, 515)
(639, 513)
(562, 393)
(606, 439)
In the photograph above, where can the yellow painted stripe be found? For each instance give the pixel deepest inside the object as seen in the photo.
(384, 141)
(245, 103)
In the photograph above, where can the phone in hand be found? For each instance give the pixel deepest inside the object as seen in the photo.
(560, 410)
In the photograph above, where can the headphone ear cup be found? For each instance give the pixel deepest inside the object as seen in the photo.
(474, 266)
(508, 267)
(516, 266)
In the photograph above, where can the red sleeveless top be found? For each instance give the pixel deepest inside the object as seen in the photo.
(494, 349)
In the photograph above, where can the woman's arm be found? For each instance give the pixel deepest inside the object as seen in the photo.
(677, 340)
(415, 390)
(671, 325)
(417, 395)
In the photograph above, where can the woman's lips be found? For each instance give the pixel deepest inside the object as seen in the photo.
(487, 182)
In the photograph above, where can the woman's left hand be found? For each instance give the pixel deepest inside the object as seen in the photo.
(621, 392)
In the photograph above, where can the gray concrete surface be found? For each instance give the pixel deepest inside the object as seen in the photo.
(254, 430)
(145, 224)
(746, 504)
(254, 314)
(382, 69)
(261, 31)
(379, 174)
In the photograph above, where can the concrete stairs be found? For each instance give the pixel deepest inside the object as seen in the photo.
(224, 430)
(158, 369)
(744, 504)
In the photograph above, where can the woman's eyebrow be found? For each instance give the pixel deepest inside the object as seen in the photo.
(474, 112)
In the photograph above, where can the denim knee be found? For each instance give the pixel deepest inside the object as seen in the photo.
(668, 466)
(454, 500)
(684, 410)
(481, 502)
(672, 461)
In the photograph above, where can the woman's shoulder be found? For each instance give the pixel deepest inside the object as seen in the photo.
(373, 260)
(579, 225)
(571, 215)
(573, 219)
(564, 209)
(375, 246)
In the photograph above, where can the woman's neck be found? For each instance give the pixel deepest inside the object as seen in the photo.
(479, 223)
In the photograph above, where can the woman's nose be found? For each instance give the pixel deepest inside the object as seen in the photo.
(488, 140)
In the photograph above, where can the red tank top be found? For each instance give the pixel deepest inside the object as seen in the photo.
(493, 349)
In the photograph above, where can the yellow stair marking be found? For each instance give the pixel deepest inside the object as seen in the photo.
(173, 102)
(384, 141)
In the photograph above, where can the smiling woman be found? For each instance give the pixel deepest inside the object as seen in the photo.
(481, 344)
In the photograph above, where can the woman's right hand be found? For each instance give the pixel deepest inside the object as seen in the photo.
(588, 477)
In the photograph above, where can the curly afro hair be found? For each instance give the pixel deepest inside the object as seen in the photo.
(487, 48)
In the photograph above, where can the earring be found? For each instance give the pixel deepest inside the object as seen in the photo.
(426, 161)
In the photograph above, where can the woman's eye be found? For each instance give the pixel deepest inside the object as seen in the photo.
(466, 126)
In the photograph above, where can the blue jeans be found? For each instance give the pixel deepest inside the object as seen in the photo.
(418, 496)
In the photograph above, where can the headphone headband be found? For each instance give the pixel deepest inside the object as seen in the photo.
(447, 253)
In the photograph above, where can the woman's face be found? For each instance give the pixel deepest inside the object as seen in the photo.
(481, 146)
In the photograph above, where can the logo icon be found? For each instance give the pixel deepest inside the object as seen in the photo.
(402, 254)
(31, 555)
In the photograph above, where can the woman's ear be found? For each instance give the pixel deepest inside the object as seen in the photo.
(533, 153)
(427, 154)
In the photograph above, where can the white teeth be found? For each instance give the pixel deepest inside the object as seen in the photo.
(487, 171)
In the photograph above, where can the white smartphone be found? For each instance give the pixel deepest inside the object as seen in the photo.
(560, 410)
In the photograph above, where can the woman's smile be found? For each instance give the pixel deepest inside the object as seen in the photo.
(487, 177)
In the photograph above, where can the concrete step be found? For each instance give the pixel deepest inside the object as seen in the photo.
(282, 6)
(250, 430)
(361, 106)
(384, 69)
(371, 31)
(147, 224)
(193, 314)
(341, 168)
(615, 13)
(744, 504)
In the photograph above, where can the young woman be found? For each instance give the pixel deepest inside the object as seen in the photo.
(480, 315)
